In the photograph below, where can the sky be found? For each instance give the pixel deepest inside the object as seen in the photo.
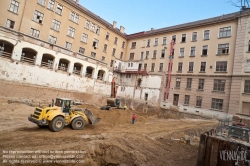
(142, 15)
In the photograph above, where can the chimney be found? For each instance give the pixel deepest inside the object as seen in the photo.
(122, 29)
(152, 29)
(77, 1)
(114, 24)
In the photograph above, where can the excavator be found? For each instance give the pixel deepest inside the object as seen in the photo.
(60, 114)
(113, 102)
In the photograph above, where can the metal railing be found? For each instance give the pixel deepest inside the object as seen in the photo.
(5, 55)
(28, 60)
(88, 75)
(78, 72)
(100, 77)
(47, 65)
(62, 68)
(138, 71)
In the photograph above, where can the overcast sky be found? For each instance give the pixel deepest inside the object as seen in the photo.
(142, 15)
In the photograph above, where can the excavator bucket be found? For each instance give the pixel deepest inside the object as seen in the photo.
(92, 118)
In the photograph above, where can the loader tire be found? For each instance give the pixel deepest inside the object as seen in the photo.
(57, 124)
(78, 123)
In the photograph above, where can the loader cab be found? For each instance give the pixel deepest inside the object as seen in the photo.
(64, 104)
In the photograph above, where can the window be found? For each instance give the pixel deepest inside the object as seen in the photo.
(201, 84)
(164, 40)
(217, 104)
(206, 34)
(161, 67)
(59, 9)
(225, 32)
(128, 64)
(180, 66)
(34, 32)
(121, 56)
(247, 66)
(10, 24)
(131, 64)
(128, 75)
(38, 17)
(51, 4)
(247, 86)
(174, 38)
(107, 35)
(93, 54)
(142, 55)
(84, 38)
(95, 43)
(248, 46)
(41, 2)
(147, 54)
(71, 32)
(92, 28)
(219, 85)
(221, 66)
(14, 5)
(173, 53)
(52, 39)
(115, 42)
(81, 50)
(113, 52)
(189, 83)
(194, 36)
(133, 45)
(204, 50)
(74, 17)
(187, 98)
(123, 44)
(163, 53)
(111, 63)
(203, 66)
(156, 41)
(192, 53)
(145, 66)
(68, 45)
(153, 67)
(181, 52)
(223, 49)
(131, 56)
(198, 101)
(87, 24)
(154, 54)
(178, 83)
(148, 43)
(103, 58)
(105, 47)
(56, 25)
(146, 96)
(98, 30)
(191, 66)
(183, 38)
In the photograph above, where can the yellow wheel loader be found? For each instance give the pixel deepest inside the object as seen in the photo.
(60, 114)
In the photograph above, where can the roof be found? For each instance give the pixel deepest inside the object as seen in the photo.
(63, 98)
(94, 16)
(213, 20)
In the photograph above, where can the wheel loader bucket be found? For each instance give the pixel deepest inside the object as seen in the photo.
(92, 118)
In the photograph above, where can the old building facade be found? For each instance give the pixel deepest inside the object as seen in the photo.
(60, 44)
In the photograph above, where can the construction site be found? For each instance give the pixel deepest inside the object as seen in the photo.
(93, 95)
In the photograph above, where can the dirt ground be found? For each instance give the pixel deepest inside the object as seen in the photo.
(113, 141)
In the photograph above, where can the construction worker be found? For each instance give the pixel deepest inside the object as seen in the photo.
(133, 118)
(125, 107)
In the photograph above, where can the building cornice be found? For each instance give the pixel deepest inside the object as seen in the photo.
(95, 17)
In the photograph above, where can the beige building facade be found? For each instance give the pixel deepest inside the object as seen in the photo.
(66, 41)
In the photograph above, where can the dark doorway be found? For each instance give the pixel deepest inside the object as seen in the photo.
(139, 68)
(176, 99)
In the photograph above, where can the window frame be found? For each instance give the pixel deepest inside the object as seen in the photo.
(59, 7)
(161, 67)
(10, 21)
(49, 5)
(198, 102)
(202, 67)
(73, 16)
(215, 104)
(202, 51)
(39, 2)
(219, 67)
(68, 44)
(219, 85)
(71, 32)
(180, 67)
(52, 41)
(196, 36)
(55, 25)
(189, 83)
(152, 67)
(192, 50)
(224, 32)
(37, 18)
(81, 52)
(183, 37)
(11, 4)
(201, 84)
(206, 34)
(181, 52)
(186, 98)
(221, 47)
(247, 86)
(178, 83)
(84, 36)
(35, 33)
